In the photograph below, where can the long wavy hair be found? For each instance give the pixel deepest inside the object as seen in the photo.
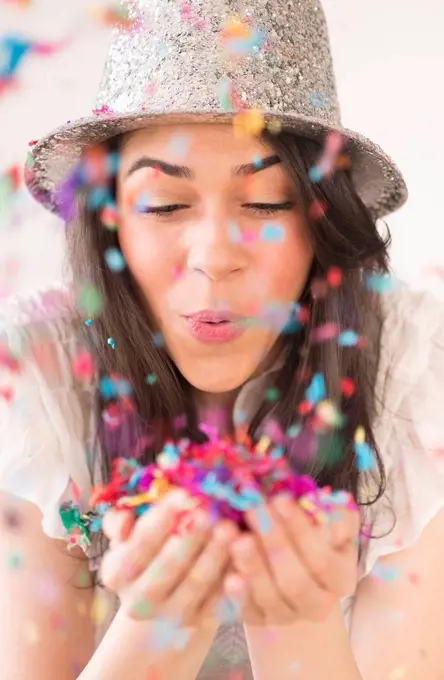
(345, 236)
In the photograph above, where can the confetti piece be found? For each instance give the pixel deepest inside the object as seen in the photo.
(366, 459)
(111, 342)
(14, 561)
(114, 259)
(248, 122)
(379, 283)
(272, 232)
(90, 301)
(109, 216)
(347, 387)
(334, 277)
(83, 367)
(318, 100)
(316, 390)
(179, 146)
(99, 609)
(348, 339)
(151, 378)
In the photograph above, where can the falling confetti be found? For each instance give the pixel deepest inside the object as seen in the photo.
(272, 233)
(90, 301)
(114, 259)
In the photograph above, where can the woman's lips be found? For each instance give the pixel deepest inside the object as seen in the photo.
(214, 327)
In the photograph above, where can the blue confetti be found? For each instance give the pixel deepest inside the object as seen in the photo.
(257, 161)
(318, 100)
(179, 145)
(158, 340)
(294, 430)
(97, 197)
(88, 322)
(347, 339)
(107, 388)
(315, 175)
(379, 283)
(234, 233)
(112, 163)
(114, 259)
(272, 232)
(228, 610)
(316, 391)
(264, 520)
(365, 456)
(111, 342)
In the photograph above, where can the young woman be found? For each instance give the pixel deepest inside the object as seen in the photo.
(217, 270)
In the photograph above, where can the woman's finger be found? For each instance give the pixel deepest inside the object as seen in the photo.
(127, 560)
(330, 569)
(252, 567)
(294, 582)
(167, 569)
(237, 590)
(117, 525)
(204, 575)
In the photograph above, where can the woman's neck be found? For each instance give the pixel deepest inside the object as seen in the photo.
(216, 410)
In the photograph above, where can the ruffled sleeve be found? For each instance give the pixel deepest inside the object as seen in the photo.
(410, 426)
(42, 428)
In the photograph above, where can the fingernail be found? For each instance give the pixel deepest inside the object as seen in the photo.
(201, 520)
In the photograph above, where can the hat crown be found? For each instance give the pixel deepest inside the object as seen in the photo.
(194, 55)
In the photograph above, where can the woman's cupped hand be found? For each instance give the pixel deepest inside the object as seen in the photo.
(169, 563)
(172, 563)
(290, 566)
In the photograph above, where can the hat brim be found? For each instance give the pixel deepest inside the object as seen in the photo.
(375, 176)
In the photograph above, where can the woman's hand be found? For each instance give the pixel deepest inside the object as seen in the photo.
(289, 568)
(159, 572)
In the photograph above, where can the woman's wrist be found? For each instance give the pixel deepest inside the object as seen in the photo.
(130, 648)
(306, 650)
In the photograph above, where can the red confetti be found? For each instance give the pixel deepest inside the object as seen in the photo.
(83, 366)
(347, 387)
(334, 277)
(317, 210)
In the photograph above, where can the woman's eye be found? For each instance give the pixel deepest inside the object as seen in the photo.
(162, 210)
(269, 208)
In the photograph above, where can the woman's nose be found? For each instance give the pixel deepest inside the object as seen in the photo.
(215, 253)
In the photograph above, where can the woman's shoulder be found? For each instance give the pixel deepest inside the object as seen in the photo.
(46, 401)
(409, 429)
(412, 331)
(41, 330)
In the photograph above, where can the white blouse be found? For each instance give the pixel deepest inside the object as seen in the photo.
(47, 429)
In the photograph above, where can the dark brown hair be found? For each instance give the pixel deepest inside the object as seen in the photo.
(347, 237)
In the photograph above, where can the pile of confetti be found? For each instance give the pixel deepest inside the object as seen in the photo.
(226, 477)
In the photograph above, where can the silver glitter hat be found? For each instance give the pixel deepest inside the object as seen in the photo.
(257, 63)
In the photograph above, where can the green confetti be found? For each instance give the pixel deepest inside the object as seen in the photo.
(272, 394)
(90, 301)
(151, 378)
(30, 162)
(142, 608)
(14, 561)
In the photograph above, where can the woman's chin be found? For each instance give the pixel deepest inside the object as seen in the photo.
(217, 380)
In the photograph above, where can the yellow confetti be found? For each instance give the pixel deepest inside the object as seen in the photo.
(274, 126)
(360, 435)
(248, 122)
(99, 609)
(263, 444)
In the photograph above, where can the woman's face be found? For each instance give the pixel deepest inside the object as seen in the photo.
(217, 244)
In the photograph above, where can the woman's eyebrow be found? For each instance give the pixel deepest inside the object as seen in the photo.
(183, 172)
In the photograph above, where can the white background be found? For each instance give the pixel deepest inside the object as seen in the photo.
(389, 57)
